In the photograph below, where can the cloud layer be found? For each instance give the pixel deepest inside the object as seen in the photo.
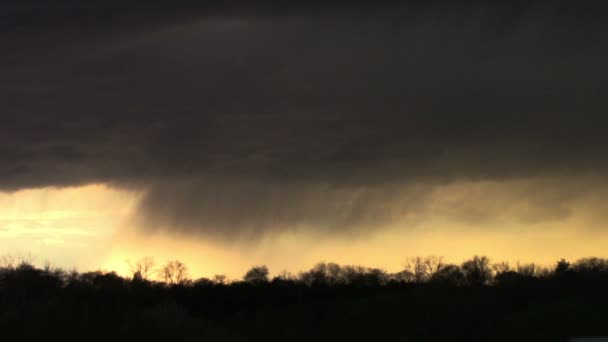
(251, 117)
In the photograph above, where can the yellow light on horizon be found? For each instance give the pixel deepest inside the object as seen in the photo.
(90, 227)
(68, 226)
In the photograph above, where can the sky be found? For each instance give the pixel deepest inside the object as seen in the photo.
(230, 133)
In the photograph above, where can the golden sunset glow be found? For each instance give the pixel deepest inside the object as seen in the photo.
(71, 227)
(91, 227)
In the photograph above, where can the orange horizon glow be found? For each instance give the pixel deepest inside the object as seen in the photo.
(89, 227)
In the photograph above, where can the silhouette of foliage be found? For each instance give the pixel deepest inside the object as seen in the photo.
(562, 267)
(327, 302)
(142, 269)
(257, 275)
(591, 266)
(422, 269)
(220, 279)
(477, 271)
(501, 267)
(174, 273)
(450, 275)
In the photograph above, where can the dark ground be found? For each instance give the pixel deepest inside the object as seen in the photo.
(346, 304)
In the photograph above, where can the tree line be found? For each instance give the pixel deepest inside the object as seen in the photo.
(477, 271)
(428, 300)
(433, 270)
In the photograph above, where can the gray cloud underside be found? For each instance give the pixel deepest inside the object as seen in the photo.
(330, 116)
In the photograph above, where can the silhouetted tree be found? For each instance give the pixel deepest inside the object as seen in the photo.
(342, 275)
(404, 276)
(285, 276)
(561, 267)
(591, 266)
(174, 273)
(433, 264)
(528, 270)
(335, 274)
(501, 267)
(108, 281)
(362, 277)
(220, 279)
(451, 275)
(7, 262)
(257, 275)
(477, 271)
(142, 269)
(417, 268)
(315, 276)
(423, 268)
(203, 282)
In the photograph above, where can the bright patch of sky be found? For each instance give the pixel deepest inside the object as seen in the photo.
(70, 227)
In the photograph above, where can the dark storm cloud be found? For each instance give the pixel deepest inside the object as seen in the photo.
(259, 115)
